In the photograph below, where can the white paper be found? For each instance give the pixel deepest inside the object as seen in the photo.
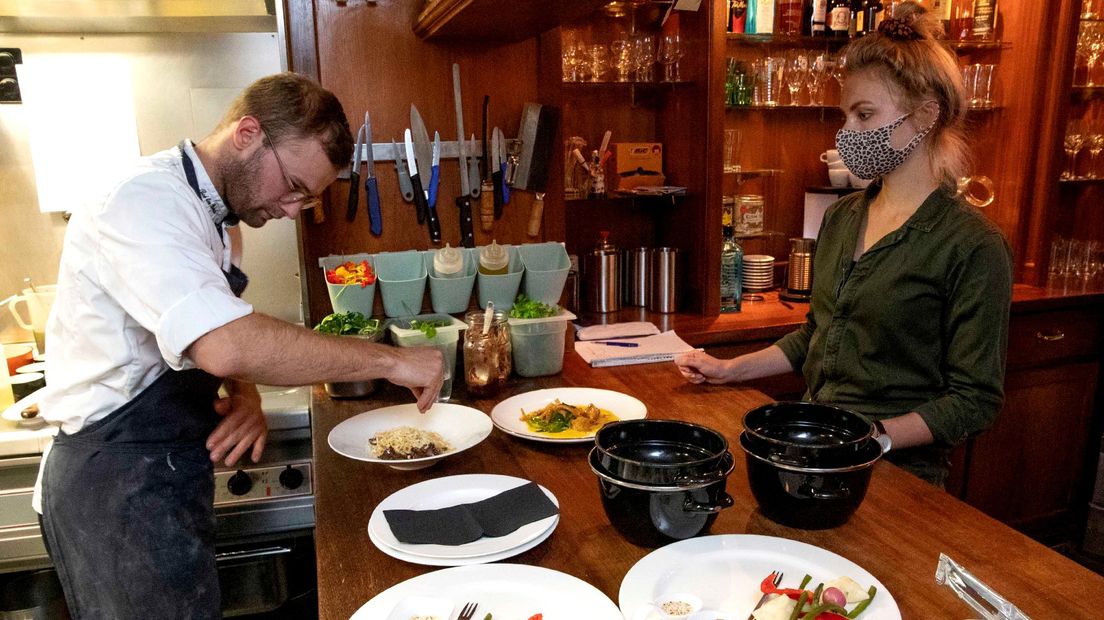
(80, 124)
(649, 350)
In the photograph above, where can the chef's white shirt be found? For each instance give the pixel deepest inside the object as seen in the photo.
(141, 278)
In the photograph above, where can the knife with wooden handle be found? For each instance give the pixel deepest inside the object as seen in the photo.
(467, 229)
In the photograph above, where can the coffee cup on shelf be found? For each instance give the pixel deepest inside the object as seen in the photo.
(830, 156)
(837, 165)
(838, 177)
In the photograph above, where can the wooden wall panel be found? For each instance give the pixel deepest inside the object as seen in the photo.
(370, 58)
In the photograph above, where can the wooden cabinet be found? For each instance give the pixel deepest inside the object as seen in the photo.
(1033, 468)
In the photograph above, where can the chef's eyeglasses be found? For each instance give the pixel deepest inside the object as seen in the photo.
(298, 194)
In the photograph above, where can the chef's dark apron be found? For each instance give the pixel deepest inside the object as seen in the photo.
(128, 512)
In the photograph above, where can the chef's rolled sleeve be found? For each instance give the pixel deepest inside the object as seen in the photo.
(197, 314)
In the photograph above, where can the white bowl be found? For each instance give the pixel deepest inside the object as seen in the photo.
(463, 427)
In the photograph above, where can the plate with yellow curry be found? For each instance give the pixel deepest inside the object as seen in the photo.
(564, 415)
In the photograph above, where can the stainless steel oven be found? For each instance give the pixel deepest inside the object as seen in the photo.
(265, 515)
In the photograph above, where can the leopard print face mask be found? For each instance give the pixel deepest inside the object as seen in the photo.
(869, 154)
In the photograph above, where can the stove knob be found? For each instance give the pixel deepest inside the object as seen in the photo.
(239, 483)
(291, 478)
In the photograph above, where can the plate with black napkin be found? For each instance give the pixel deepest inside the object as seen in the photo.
(464, 519)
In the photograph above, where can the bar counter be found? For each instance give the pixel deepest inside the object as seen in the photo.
(897, 534)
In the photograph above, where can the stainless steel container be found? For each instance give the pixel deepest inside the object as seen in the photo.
(637, 274)
(602, 273)
(799, 272)
(663, 292)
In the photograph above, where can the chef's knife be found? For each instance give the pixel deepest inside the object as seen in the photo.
(415, 179)
(400, 171)
(434, 178)
(486, 162)
(496, 172)
(354, 176)
(467, 234)
(423, 152)
(371, 185)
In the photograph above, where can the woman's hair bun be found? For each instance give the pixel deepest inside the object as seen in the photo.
(922, 23)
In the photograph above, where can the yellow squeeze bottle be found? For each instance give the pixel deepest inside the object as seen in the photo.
(493, 260)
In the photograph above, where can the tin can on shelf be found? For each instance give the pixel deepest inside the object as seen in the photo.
(749, 214)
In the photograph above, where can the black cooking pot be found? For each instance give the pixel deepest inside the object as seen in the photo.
(805, 434)
(808, 497)
(661, 452)
(654, 515)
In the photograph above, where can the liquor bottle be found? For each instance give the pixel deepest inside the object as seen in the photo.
(873, 13)
(819, 18)
(839, 18)
(985, 20)
(732, 271)
(737, 15)
(790, 13)
(764, 16)
(855, 28)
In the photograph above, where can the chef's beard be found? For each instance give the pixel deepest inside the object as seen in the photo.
(241, 180)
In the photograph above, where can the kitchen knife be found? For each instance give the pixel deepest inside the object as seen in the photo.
(423, 152)
(431, 193)
(496, 172)
(486, 162)
(467, 233)
(400, 171)
(415, 179)
(371, 184)
(473, 169)
(502, 166)
(354, 176)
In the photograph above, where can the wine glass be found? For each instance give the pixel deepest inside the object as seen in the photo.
(818, 70)
(1094, 46)
(670, 52)
(599, 61)
(622, 51)
(797, 69)
(1096, 144)
(1074, 140)
(644, 55)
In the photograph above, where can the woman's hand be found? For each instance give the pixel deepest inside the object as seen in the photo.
(700, 367)
(242, 427)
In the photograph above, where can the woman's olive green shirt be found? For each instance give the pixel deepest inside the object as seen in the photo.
(918, 323)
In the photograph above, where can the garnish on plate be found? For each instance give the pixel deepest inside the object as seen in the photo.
(557, 418)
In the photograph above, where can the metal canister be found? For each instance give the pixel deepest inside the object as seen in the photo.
(637, 273)
(602, 274)
(663, 292)
(799, 272)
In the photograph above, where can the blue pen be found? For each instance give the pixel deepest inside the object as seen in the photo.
(618, 344)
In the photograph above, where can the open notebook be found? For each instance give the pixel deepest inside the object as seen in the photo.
(648, 350)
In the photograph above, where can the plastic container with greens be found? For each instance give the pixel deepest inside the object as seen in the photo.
(431, 330)
(537, 333)
(357, 325)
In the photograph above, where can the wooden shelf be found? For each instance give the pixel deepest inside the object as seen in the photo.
(493, 20)
(834, 43)
(1081, 181)
(752, 173)
(966, 46)
(1086, 93)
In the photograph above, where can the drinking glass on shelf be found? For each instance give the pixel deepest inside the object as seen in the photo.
(1090, 9)
(670, 52)
(1096, 144)
(1093, 47)
(774, 68)
(982, 89)
(1059, 257)
(732, 143)
(1073, 142)
(622, 51)
(599, 61)
(644, 55)
(796, 70)
(818, 70)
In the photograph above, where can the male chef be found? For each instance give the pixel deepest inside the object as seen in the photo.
(149, 323)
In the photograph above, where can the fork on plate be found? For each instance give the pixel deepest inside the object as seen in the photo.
(467, 612)
(763, 599)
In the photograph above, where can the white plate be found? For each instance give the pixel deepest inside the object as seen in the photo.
(463, 427)
(12, 413)
(422, 606)
(506, 414)
(452, 491)
(508, 591)
(726, 570)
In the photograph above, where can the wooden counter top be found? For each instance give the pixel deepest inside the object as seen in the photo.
(897, 533)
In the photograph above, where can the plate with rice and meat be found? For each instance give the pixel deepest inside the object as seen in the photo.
(401, 437)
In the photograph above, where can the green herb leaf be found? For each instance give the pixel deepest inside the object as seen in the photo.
(429, 328)
(348, 323)
(526, 308)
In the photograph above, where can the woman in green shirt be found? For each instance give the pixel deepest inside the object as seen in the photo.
(908, 319)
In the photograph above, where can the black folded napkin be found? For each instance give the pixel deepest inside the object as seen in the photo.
(456, 525)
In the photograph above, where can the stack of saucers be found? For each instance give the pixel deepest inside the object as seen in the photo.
(758, 272)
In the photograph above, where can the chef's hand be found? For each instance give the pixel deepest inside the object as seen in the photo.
(242, 427)
(422, 370)
(700, 367)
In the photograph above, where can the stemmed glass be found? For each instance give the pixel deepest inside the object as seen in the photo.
(818, 70)
(644, 55)
(623, 59)
(1074, 140)
(797, 69)
(670, 51)
(1096, 144)
(1090, 44)
(599, 61)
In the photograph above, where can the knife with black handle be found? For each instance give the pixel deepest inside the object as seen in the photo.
(467, 229)
(415, 179)
(496, 172)
(354, 178)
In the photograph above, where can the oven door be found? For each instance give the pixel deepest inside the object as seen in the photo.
(269, 578)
